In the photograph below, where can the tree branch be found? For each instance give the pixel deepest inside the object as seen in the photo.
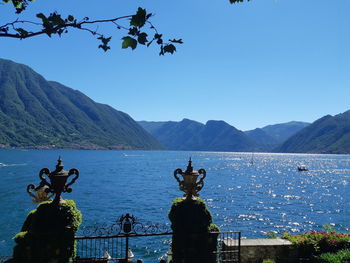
(55, 24)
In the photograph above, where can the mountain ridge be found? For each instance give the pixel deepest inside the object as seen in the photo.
(329, 134)
(217, 135)
(38, 113)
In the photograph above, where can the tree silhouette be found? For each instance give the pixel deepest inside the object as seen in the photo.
(139, 31)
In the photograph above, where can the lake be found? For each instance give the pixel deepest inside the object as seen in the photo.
(267, 195)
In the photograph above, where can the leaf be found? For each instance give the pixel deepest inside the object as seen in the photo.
(161, 53)
(129, 42)
(142, 38)
(104, 47)
(41, 16)
(237, 1)
(179, 41)
(56, 19)
(105, 41)
(133, 31)
(70, 18)
(22, 32)
(4, 29)
(157, 36)
(169, 48)
(139, 19)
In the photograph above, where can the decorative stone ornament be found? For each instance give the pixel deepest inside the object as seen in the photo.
(38, 193)
(189, 184)
(58, 183)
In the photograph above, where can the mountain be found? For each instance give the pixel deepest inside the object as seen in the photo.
(282, 131)
(192, 135)
(35, 112)
(266, 141)
(329, 134)
(271, 136)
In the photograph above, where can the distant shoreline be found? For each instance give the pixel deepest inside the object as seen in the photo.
(128, 148)
(70, 147)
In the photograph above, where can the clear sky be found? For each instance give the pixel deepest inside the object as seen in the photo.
(250, 64)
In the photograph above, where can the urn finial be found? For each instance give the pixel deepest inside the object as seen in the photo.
(189, 185)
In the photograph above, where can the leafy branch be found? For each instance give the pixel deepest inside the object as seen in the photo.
(140, 30)
(237, 1)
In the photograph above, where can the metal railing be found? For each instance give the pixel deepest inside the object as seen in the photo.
(115, 248)
(229, 247)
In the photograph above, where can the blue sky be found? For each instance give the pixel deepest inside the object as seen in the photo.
(249, 64)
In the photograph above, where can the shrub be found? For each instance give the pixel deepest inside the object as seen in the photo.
(268, 261)
(47, 234)
(341, 256)
(315, 243)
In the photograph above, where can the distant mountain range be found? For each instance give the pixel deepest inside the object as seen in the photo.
(271, 136)
(35, 112)
(219, 135)
(329, 134)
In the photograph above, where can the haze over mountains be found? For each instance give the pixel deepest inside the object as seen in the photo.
(220, 136)
(36, 113)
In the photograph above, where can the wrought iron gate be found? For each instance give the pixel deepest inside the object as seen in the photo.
(107, 244)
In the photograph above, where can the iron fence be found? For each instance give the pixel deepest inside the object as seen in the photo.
(115, 248)
(229, 247)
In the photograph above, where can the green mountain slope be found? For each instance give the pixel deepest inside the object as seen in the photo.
(35, 112)
(329, 134)
(192, 135)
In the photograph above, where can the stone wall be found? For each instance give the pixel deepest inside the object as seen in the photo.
(256, 250)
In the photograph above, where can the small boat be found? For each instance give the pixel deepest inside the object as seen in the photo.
(302, 168)
(251, 162)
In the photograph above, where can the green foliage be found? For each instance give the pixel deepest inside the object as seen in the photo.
(328, 228)
(268, 261)
(190, 216)
(315, 243)
(237, 1)
(55, 24)
(272, 234)
(341, 256)
(19, 5)
(192, 240)
(129, 42)
(214, 228)
(38, 113)
(47, 234)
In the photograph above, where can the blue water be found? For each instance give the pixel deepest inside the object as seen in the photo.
(270, 195)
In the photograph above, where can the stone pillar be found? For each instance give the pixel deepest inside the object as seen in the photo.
(192, 241)
(48, 234)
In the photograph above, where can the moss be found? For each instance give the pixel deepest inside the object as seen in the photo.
(48, 234)
(19, 237)
(192, 241)
(214, 228)
(190, 216)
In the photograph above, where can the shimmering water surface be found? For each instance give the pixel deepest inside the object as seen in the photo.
(267, 195)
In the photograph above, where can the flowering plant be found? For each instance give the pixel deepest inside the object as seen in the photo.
(315, 243)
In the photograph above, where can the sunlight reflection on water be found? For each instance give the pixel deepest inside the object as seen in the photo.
(251, 193)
